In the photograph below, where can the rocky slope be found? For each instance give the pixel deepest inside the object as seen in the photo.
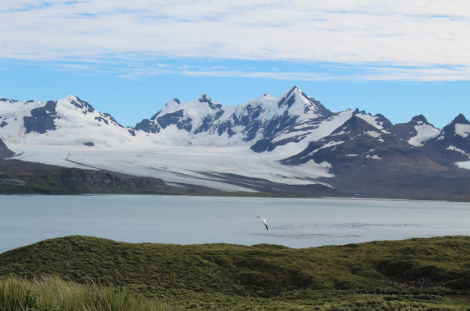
(27, 177)
(4, 151)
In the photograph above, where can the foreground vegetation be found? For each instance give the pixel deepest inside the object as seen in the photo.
(416, 274)
(52, 293)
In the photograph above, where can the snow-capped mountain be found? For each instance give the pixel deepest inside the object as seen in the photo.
(452, 144)
(291, 140)
(69, 122)
(202, 122)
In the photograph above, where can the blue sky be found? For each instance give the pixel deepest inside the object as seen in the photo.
(128, 58)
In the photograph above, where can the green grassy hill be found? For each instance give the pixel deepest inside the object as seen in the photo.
(427, 274)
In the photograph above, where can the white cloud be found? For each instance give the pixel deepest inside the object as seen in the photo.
(418, 33)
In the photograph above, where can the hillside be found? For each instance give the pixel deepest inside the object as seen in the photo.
(417, 272)
(18, 177)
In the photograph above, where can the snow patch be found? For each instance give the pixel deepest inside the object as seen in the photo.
(371, 120)
(464, 164)
(462, 129)
(375, 157)
(424, 133)
(372, 133)
(458, 150)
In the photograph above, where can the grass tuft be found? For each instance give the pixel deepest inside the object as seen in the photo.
(51, 293)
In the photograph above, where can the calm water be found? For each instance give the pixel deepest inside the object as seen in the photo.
(195, 220)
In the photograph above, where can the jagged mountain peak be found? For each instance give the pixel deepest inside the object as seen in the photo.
(419, 119)
(204, 98)
(460, 119)
(175, 101)
(453, 142)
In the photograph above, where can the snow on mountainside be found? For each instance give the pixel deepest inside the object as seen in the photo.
(66, 122)
(452, 143)
(204, 123)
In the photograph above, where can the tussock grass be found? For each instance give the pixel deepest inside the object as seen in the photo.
(414, 274)
(51, 293)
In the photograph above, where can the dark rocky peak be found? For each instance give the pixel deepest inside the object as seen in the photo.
(386, 124)
(450, 129)
(204, 98)
(10, 100)
(420, 118)
(360, 112)
(289, 99)
(452, 144)
(353, 127)
(460, 119)
(80, 104)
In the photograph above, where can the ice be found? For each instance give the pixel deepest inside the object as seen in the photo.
(179, 164)
(462, 129)
(372, 133)
(458, 150)
(375, 157)
(464, 165)
(371, 120)
(425, 133)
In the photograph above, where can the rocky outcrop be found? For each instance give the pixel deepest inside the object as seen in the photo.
(4, 151)
(42, 119)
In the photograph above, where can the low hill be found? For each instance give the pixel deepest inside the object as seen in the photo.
(29, 177)
(224, 276)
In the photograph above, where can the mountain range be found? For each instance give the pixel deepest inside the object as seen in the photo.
(291, 143)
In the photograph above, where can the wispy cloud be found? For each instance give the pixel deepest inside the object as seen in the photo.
(377, 73)
(421, 36)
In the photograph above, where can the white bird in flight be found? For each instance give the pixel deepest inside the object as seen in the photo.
(263, 221)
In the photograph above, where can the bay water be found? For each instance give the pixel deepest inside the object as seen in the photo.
(297, 223)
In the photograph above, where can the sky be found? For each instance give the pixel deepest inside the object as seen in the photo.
(129, 58)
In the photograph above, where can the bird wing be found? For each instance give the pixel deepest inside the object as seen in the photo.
(266, 226)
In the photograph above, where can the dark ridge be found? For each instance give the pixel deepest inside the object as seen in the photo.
(287, 98)
(461, 119)
(420, 118)
(147, 126)
(83, 105)
(177, 118)
(112, 119)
